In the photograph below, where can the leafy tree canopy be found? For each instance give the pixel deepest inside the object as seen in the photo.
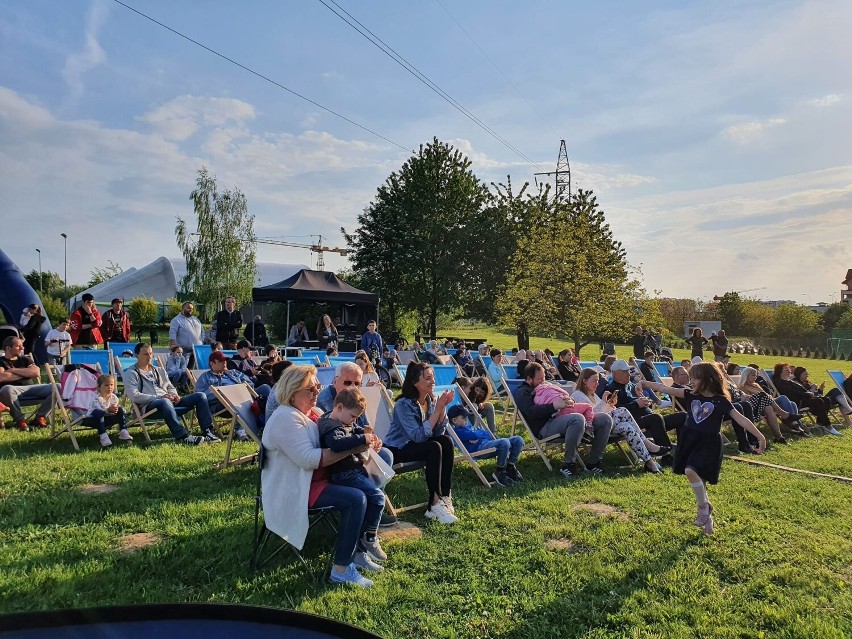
(102, 274)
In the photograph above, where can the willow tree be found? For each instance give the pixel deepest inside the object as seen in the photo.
(220, 253)
(569, 276)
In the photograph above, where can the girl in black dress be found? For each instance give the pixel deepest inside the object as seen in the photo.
(699, 444)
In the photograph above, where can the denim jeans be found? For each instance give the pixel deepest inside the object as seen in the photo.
(12, 395)
(166, 410)
(351, 503)
(508, 450)
(356, 478)
(784, 402)
(102, 420)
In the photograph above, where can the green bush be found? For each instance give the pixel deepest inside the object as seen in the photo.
(54, 309)
(143, 311)
(172, 309)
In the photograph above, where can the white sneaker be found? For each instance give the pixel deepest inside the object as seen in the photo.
(439, 511)
(833, 431)
(349, 576)
(105, 440)
(362, 560)
(448, 502)
(665, 404)
(124, 436)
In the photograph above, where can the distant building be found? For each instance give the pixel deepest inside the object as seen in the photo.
(777, 303)
(846, 296)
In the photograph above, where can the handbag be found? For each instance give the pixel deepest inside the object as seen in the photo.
(378, 469)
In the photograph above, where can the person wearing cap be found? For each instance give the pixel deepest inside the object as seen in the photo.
(242, 361)
(186, 330)
(116, 326)
(653, 424)
(544, 423)
(228, 323)
(475, 438)
(219, 375)
(85, 327)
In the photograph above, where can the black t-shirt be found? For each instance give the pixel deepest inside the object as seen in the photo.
(705, 413)
(22, 362)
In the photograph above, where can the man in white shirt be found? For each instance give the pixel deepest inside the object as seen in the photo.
(58, 342)
(185, 331)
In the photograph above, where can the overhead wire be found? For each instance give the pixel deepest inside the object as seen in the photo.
(405, 64)
(264, 77)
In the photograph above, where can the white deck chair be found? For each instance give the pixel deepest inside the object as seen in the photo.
(68, 418)
(237, 401)
(405, 357)
(378, 414)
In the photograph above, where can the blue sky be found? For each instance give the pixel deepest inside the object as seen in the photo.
(717, 136)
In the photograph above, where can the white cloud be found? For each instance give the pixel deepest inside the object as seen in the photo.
(182, 117)
(824, 101)
(750, 131)
(93, 55)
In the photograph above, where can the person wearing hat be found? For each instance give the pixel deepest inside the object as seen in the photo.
(243, 361)
(219, 375)
(116, 327)
(654, 425)
(475, 438)
(85, 327)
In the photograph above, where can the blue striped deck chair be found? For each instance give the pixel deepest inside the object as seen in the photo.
(445, 374)
(202, 354)
(312, 360)
(326, 375)
(663, 370)
(541, 446)
(838, 378)
(588, 364)
(452, 351)
(96, 359)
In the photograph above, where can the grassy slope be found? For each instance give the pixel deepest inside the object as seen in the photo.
(780, 564)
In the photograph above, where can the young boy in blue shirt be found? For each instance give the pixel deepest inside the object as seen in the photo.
(508, 449)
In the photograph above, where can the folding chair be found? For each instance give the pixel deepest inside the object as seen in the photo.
(588, 364)
(312, 360)
(445, 374)
(326, 374)
(406, 356)
(237, 400)
(839, 378)
(378, 413)
(202, 354)
(463, 454)
(766, 375)
(117, 348)
(71, 417)
(541, 446)
(92, 357)
(317, 517)
(334, 361)
(136, 416)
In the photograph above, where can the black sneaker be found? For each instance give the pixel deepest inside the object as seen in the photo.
(513, 473)
(569, 471)
(664, 450)
(595, 469)
(666, 460)
(502, 477)
(388, 520)
(210, 437)
(191, 440)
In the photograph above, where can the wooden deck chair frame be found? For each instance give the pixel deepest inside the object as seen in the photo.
(405, 357)
(317, 517)
(379, 413)
(464, 454)
(60, 412)
(236, 400)
(136, 417)
(541, 446)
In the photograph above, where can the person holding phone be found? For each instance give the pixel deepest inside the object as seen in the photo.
(623, 423)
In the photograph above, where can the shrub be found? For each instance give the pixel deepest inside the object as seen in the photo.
(143, 311)
(172, 309)
(54, 309)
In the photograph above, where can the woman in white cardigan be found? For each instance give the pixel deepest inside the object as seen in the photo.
(294, 476)
(623, 423)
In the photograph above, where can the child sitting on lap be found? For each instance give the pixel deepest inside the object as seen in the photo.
(339, 433)
(547, 393)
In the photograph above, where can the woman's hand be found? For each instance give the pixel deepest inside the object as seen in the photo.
(445, 398)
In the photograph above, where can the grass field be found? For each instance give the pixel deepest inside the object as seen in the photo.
(610, 557)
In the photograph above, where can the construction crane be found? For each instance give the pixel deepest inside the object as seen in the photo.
(748, 290)
(317, 248)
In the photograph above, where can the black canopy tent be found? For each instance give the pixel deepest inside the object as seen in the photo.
(314, 286)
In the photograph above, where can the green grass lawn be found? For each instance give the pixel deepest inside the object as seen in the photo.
(532, 561)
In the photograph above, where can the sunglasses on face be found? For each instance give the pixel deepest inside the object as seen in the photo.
(348, 382)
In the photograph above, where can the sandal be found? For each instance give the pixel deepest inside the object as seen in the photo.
(705, 512)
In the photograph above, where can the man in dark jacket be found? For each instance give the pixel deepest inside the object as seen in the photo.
(228, 324)
(543, 423)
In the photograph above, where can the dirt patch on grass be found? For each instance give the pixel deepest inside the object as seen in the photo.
(97, 489)
(138, 541)
(401, 531)
(562, 544)
(602, 510)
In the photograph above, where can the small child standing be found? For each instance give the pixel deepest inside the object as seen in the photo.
(105, 411)
(58, 342)
(699, 446)
(508, 449)
(338, 432)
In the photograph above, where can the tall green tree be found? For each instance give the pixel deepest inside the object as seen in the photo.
(832, 314)
(47, 281)
(569, 276)
(417, 242)
(220, 251)
(101, 274)
(793, 320)
(731, 312)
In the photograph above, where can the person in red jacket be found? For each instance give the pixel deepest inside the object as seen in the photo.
(86, 323)
(116, 327)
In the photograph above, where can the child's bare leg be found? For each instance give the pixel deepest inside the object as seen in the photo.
(704, 519)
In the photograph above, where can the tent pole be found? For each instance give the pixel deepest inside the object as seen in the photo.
(377, 311)
(287, 334)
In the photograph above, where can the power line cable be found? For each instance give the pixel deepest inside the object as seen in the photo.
(405, 64)
(263, 77)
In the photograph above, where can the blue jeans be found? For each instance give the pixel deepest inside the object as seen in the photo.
(102, 420)
(166, 410)
(351, 503)
(356, 478)
(508, 450)
(784, 402)
(12, 395)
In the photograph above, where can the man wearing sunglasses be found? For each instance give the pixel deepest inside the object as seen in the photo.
(349, 375)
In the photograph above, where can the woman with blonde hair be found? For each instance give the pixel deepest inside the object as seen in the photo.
(295, 478)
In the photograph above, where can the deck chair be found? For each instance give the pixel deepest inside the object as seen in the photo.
(117, 348)
(102, 358)
(326, 375)
(237, 401)
(137, 417)
(541, 446)
(378, 414)
(766, 375)
(405, 357)
(202, 354)
(68, 413)
(266, 545)
(334, 361)
(312, 360)
(588, 364)
(463, 454)
(445, 374)
(838, 378)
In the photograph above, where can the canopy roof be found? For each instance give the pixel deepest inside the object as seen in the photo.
(313, 286)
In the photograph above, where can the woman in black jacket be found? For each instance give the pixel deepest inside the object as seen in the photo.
(782, 378)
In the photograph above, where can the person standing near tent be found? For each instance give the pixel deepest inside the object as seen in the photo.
(117, 324)
(228, 323)
(256, 332)
(186, 330)
(86, 324)
(326, 332)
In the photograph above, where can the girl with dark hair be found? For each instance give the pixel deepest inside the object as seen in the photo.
(699, 446)
(697, 342)
(782, 378)
(835, 396)
(478, 391)
(418, 433)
